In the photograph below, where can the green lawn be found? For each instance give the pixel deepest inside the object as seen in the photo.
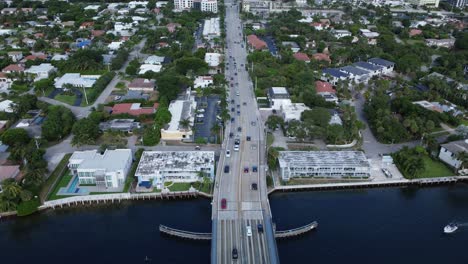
(56, 174)
(205, 186)
(180, 186)
(464, 122)
(435, 169)
(68, 99)
(62, 183)
(270, 139)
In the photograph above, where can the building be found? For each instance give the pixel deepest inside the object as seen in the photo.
(41, 71)
(6, 106)
(180, 5)
(335, 120)
(356, 74)
(321, 57)
(141, 84)
(213, 59)
(458, 3)
(13, 68)
(341, 33)
(157, 167)
(5, 81)
(8, 172)
(149, 67)
(328, 164)
(76, 80)
(278, 96)
(135, 4)
(449, 153)
(115, 45)
(211, 28)
(441, 43)
(134, 95)
(134, 109)
(368, 34)
(301, 57)
(108, 169)
(124, 125)
(181, 109)
(202, 81)
(209, 6)
(333, 76)
(372, 69)
(292, 45)
(15, 56)
(256, 43)
(292, 111)
(326, 90)
(155, 60)
(387, 66)
(430, 3)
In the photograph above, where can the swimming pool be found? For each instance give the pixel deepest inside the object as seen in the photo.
(72, 187)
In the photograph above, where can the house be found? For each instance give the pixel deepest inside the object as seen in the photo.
(107, 170)
(33, 57)
(373, 69)
(59, 57)
(98, 33)
(155, 60)
(333, 75)
(76, 80)
(8, 11)
(292, 45)
(115, 45)
(256, 43)
(5, 81)
(369, 34)
(29, 42)
(15, 56)
(387, 66)
(9, 172)
(149, 67)
(292, 111)
(301, 57)
(86, 25)
(414, 32)
(144, 85)
(41, 71)
(211, 28)
(319, 25)
(171, 27)
(340, 33)
(321, 57)
(335, 120)
(441, 43)
(357, 74)
(449, 153)
(123, 125)
(157, 167)
(133, 109)
(6, 106)
(278, 96)
(135, 4)
(326, 90)
(135, 95)
(13, 68)
(202, 81)
(181, 109)
(213, 59)
(82, 43)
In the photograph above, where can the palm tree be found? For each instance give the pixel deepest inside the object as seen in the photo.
(11, 189)
(185, 123)
(463, 158)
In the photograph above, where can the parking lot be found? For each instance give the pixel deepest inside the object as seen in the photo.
(203, 125)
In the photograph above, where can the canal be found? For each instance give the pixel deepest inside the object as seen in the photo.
(394, 225)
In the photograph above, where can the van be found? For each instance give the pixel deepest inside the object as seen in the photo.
(249, 231)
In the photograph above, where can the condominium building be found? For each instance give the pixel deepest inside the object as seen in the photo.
(431, 3)
(181, 5)
(181, 109)
(323, 164)
(209, 6)
(458, 3)
(211, 28)
(108, 169)
(156, 167)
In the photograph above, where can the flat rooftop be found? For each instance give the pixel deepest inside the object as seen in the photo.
(153, 161)
(323, 159)
(111, 160)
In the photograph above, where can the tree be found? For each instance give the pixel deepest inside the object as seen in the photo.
(58, 124)
(42, 85)
(24, 104)
(462, 41)
(335, 133)
(185, 123)
(15, 137)
(319, 116)
(274, 121)
(11, 189)
(85, 132)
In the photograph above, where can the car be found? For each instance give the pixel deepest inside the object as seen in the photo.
(237, 93)
(232, 85)
(246, 169)
(228, 153)
(232, 109)
(237, 141)
(223, 203)
(274, 111)
(248, 138)
(231, 135)
(387, 173)
(239, 129)
(232, 119)
(234, 253)
(238, 112)
(232, 101)
(244, 103)
(238, 106)
(232, 78)
(254, 186)
(236, 147)
(197, 147)
(253, 123)
(260, 228)
(226, 169)
(249, 231)
(254, 169)
(242, 65)
(242, 46)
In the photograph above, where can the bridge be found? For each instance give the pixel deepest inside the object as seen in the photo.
(207, 236)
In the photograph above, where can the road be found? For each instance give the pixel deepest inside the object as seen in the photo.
(246, 208)
(82, 112)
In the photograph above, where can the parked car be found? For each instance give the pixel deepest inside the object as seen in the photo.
(226, 169)
(387, 173)
(197, 147)
(232, 119)
(232, 109)
(231, 135)
(223, 203)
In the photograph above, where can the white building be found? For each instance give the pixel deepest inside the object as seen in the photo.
(120, 26)
(209, 6)
(213, 59)
(293, 111)
(211, 28)
(149, 67)
(369, 34)
(458, 3)
(180, 110)
(76, 80)
(155, 60)
(105, 170)
(115, 45)
(41, 71)
(328, 164)
(277, 97)
(387, 66)
(341, 33)
(181, 5)
(6, 106)
(135, 4)
(441, 43)
(431, 3)
(203, 82)
(449, 152)
(157, 167)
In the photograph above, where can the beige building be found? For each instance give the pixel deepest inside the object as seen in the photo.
(431, 3)
(181, 109)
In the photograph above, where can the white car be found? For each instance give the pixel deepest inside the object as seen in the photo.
(236, 147)
(237, 93)
(228, 153)
(249, 231)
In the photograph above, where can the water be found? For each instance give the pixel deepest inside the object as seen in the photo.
(364, 226)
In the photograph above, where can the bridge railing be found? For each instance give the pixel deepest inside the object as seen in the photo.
(183, 233)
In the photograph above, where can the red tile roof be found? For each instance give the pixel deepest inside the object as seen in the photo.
(324, 87)
(414, 32)
(8, 171)
(34, 57)
(321, 56)
(134, 109)
(301, 56)
(86, 24)
(98, 33)
(13, 68)
(256, 43)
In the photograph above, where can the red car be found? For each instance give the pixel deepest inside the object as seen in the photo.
(223, 203)
(246, 170)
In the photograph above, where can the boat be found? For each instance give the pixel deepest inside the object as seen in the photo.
(450, 228)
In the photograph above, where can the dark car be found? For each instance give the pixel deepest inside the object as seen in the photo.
(248, 138)
(254, 168)
(232, 78)
(231, 135)
(238, 106)
(234, 253)
(226, 169)
(237, 141)
(244, 103)
(232, 85)
(246, 170)
(260, 228)
(232, 101)
(235, 73)
(238, 112)
(232, 119)
(254, 186)
(232, 109)
(223, 203)
(239, 129)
